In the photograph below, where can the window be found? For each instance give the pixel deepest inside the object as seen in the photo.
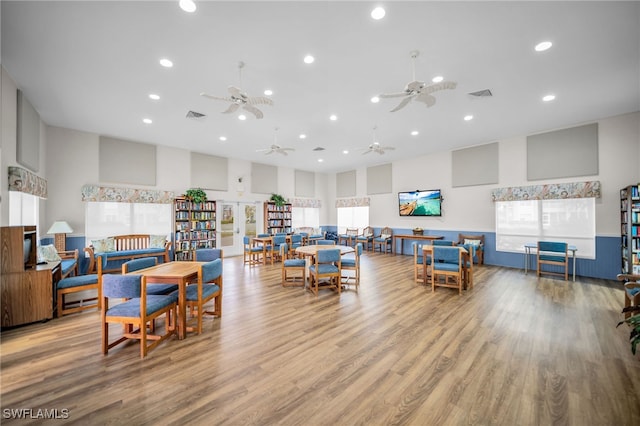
(570, 220)
(106, 219)
(23, 209)
(305, 217)
(352, 217)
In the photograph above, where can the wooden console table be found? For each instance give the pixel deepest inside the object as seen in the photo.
(402, 237)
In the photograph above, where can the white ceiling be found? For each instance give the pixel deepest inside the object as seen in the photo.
(91, 65)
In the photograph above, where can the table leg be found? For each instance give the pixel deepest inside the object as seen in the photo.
(182, 309)
(574, 265)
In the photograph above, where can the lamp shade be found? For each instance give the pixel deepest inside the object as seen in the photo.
(60, 227)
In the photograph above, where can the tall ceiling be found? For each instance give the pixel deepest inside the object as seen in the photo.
(90, 66)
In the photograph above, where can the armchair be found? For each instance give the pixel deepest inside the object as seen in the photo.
(383, 240)
(447, 263)
(555, 254)
(366, 238)
(477, 241)
(327, 264)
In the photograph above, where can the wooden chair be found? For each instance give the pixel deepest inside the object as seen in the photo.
(147, 262)
(352, 264)
(555, 254)
(383, 240)
(325, 242)
(327, 265)
(349, 236)
(446, 263)
(134, 313)
(69, 262)
(252, 254)
(208, 254)
(208, 286)
(366, 238)
(296, 267)
(418, 262)
(77, 284)
(631, 291)
(477, 241)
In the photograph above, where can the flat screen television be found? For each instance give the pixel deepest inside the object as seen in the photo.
(420, 203)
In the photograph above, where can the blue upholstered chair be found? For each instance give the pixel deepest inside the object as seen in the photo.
(325, 242)
(478, 242)
(383, 240)
(366, 238)
(418, 262)
(352, 264)
(448, 243)
(147, 262)
(278, 240)
(208, 254)
(134, 313)
(77, 284)
(208, 286)
(327, 265)
(348, 237)
(68, 262)
(296, 241)
(291, 266)
(252, 253)
(314, 237)
(554, 254)
(446, 263)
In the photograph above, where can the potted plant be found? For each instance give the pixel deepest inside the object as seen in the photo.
(196, 195)
(278, 200)
(634, 323)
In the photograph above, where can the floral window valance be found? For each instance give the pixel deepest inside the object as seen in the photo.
(548, 192)
(353, 202)
(126, 195)
(305, 202)
(23, 180)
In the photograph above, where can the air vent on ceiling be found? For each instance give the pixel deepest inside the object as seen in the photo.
(318, 149)
(482, 93)
(195, 115)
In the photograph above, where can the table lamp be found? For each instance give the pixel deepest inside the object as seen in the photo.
(60, 228)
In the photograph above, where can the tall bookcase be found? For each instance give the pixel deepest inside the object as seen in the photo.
(630, 229)
(194, 227)
(277, 218)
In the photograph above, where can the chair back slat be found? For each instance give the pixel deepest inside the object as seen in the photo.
(124, 286)
(208, 254)
(137, 264)
(326, 243)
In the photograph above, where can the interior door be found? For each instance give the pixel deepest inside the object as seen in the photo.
(237, 219)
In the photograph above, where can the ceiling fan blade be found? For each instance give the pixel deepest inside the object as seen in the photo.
(388, 148)
(235, 91)
(426, 99)
(253, 110)
(259, 100)
(217, 98)
(393, 95)
(232, 108)
(402, 104)
(443, 85)
(367, 151)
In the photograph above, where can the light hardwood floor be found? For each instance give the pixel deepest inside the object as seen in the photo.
(515, 350)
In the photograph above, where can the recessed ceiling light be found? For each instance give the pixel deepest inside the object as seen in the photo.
(187, 5)
(147, 120)
(378, 13)
(302, 136)
(242, 117)
(437, 79)
(333, 117)
(468, 117)
(375, 99)
(415, 133)
(346, 151)
(166, 63)
(541, 47)
(320, 160)
(549, 98)
(223, 138)
(154, 96)
(309, 59)
(268, 92)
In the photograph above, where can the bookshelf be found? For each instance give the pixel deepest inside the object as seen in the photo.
(194, 227)
(630, 229)
(277, 218)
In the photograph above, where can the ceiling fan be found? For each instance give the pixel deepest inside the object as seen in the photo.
(275, 148)
(418, 90)
(376, 147)
(238, 98)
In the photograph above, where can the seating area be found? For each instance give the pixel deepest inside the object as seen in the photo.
(115, 250)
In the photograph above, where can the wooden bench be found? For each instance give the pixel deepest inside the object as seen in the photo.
(127, 247)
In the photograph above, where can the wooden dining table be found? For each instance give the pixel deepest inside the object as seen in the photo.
(467, 273)
(176, 272)
(311, 250)
(263, 242)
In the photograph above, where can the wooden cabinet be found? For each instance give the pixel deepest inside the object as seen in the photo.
(194, 227)
(630, 229)
(27, 290)
(277, 218)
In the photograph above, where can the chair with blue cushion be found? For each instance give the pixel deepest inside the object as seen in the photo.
(208, 286)
(148, 262)
(352, 264)
(327, 266)
(252, 254)
(418, 262)
(448, 243)
(446, 263)
(77, 284)
(315, 236)
(554, 254)
(631, 291)
(383, 240)
(139, 309)
(278, 240)
(366, 238)
(325, 242)
(68, 262)
(467, 262)
(348, 237)
(297, 267)
(208, 254)
(478, 242)
(296, 241)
